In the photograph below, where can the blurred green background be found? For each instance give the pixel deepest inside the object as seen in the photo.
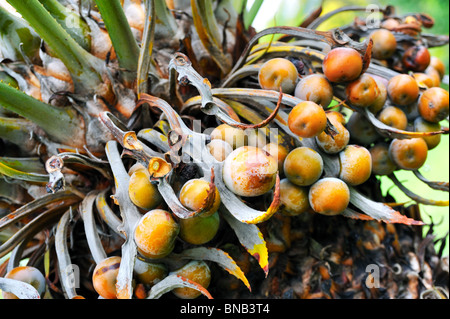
(293, 12)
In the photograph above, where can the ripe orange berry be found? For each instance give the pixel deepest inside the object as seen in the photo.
(381, 98)
(424, 79)
(384, 44)
(149, 273)
(155, 234)
(142, 192)
(315, 88)
(255, 138)
(219, 149)
(363, 91)
(194, 193)
(197, 271)
(381, 162)
(276, 73)
(303, 166)
(403, 89)
(307, 119)
(434, 75)
(416, 58)
(356, 165)
(249, 171)
(336, 143)
(293, 198)
(329, 196)
(279, 152)
(408, 154)
(438, 65)
(233, 136)
(29, 275)
(104, 277)
(433, 105)
(390, 24)
(394, 117)
(342, 65)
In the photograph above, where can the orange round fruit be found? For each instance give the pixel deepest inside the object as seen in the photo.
(194, 193)
(249, 171)
(294, 199)
(155, 234)
(336, 143)
(356, 165)
(104, 277)
(342, 65)
(408, 154)
(315, 88)
(433, 105)
(196, 271)
(276, 73)
(29, 275)
(403, 89)
(329, 196)
(303, 166)
(307, 119)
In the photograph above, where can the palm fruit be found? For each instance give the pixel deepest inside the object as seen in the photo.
(109, 107)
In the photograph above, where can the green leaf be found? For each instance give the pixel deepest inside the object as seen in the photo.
(14, 32)
(86, 70)
(208, 32)
(25, 164)
(61, 124)
(18, 131)
(25, 176)
(70, 21)
(250, 15)
(119, 30)
(145, 53)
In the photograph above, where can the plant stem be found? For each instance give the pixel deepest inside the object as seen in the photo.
(208, 32)
(18, 131)
(146, 48)
(14, 31)
(250, 15)
(70, 21)
(84, 67)
(125, 45)
(61, 124)
(165, 16)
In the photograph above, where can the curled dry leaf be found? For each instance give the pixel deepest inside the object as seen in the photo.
(21, 289)
(379, 211)
(392, 132)
(215, 255)
(62, 252)
(414, 196)
(92, 236)
(251, 238)
(442, 186)
(183, 66)
(175, 281)
(130, 217)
